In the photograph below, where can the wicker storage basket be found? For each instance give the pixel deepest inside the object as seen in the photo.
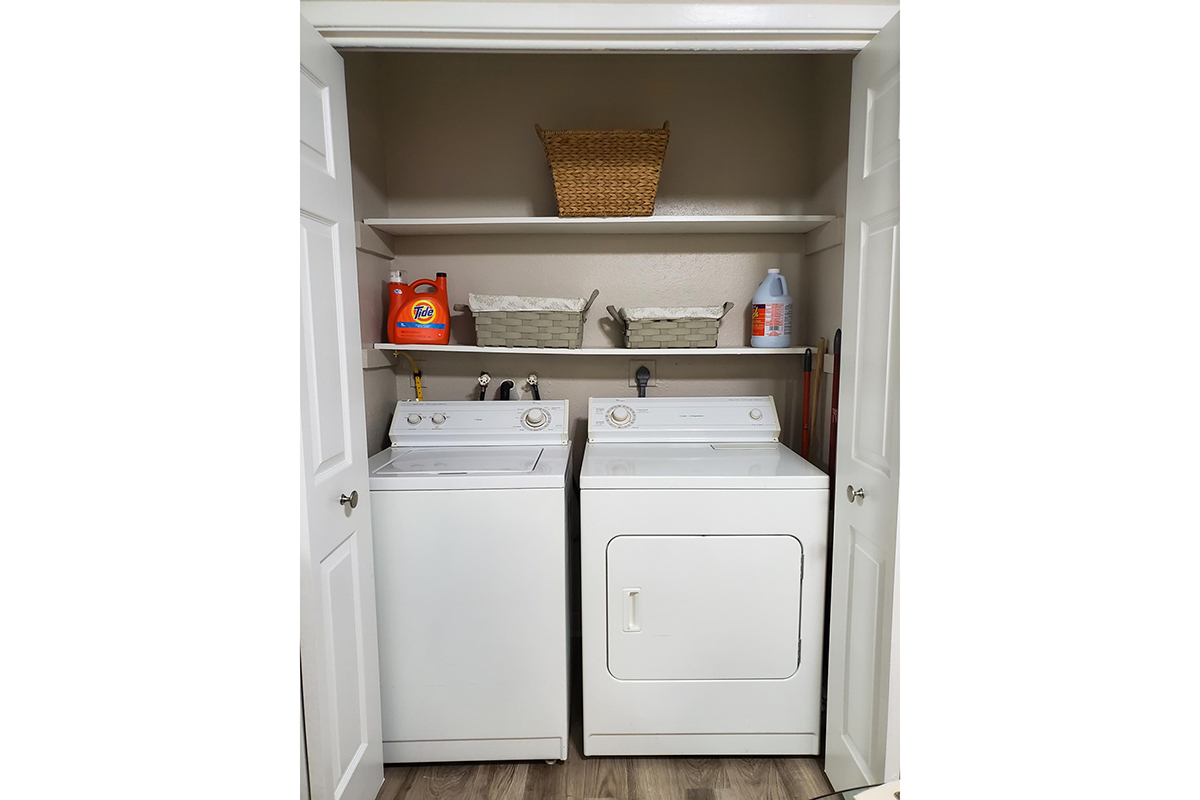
(605, 173)
(531, 326)
(691, 328)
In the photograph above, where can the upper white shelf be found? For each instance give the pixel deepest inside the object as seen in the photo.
(444, 226)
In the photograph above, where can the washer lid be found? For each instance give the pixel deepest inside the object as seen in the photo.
(460, 461)
(423, 468)
(750, 465)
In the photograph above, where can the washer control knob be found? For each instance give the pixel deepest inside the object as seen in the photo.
(535, 418)
(438, 419)
(755, 414)
(413, 419)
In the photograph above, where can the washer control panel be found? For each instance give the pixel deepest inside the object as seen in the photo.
(682, 419)
(480, 422)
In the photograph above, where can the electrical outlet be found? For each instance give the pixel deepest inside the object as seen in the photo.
(407, 367)
(634, 364)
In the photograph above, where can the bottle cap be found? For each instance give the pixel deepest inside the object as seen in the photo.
(773, 270)
(396, 276)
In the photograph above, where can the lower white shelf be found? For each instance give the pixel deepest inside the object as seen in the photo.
(627, 352)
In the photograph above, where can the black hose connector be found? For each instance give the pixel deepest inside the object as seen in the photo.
(505, 390)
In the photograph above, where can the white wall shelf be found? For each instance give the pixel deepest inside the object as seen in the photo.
(627, 352)
(444, 226)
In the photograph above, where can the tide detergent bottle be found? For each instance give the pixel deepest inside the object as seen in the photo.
(424, 317)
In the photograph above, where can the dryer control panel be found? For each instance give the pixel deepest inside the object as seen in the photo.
(682, 419)
(478, 423)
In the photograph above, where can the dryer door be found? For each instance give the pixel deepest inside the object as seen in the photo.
(703, 607)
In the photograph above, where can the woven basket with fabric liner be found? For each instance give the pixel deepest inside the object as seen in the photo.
(671, 327)
(518, 321)
(605, 173)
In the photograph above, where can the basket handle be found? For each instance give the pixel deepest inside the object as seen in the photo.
(665, 125)
(538, 128)
(728, 307)
(615, 314)
(592, 299)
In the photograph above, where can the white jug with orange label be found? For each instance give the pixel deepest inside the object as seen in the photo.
(771, 314)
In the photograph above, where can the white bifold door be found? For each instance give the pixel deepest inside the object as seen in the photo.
(863, 710)
(339, 658)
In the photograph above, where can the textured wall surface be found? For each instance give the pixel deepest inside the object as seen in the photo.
(452, 134)
(368, 167)
(820, 305)
(461, 139)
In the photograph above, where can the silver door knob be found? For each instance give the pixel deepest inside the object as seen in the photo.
(853, 494)
(350, 499)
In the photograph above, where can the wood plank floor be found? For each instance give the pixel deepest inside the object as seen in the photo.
(582, 778)
(611, 779)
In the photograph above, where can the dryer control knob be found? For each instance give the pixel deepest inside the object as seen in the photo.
(620, 416)
(535, 418)
(413, 419)
(755, 414)
(438, 419)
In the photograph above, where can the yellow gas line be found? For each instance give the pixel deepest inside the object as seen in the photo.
(416, 374)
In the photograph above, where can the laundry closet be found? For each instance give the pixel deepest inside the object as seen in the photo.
(451, 135)
(448, 175)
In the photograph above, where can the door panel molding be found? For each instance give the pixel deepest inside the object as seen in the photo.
(878, 313)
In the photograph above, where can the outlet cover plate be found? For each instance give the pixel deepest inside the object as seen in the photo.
(649, 364)
(402, 363)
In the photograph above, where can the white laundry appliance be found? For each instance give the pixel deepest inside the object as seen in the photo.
(703, 546)
(469, 514)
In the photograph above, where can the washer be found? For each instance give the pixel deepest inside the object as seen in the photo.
(469, 516)
(703, 546)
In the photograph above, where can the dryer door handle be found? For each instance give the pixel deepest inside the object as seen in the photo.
(629, 608)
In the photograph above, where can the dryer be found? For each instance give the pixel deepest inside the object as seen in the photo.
(703, 547)
(469, 517)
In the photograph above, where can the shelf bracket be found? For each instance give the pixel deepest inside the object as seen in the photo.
(831, 234)
(375, 242)
(377, 359)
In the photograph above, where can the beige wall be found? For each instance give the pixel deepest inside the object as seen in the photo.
(461, 137)
(452, 134)
(820, 305)
(370, 200)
